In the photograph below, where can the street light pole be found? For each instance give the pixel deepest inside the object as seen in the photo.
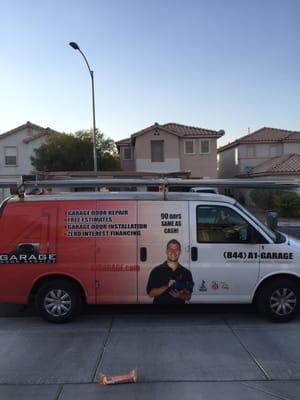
(76, 47)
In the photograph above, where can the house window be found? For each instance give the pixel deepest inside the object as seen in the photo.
(189, 146)
(251, 151)
(204, 146)
(127, 153)
(275, 150)
(157, 150)
(10, 156)
(236, 156)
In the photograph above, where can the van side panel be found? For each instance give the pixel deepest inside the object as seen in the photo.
(34, 244)
(116, 251)
(76, 244)
(25, 233)
(165, 220)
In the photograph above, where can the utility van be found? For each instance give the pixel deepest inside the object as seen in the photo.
(63, 250)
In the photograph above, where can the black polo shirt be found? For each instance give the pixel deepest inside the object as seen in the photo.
(161, 275)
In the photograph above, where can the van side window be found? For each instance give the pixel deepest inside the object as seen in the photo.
(219, 224)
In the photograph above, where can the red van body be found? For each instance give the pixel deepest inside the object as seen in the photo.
(34, 246)
(75, 237)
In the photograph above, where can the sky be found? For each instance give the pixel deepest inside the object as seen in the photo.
(215, 64)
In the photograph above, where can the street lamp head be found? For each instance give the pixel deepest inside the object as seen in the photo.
(74, 45)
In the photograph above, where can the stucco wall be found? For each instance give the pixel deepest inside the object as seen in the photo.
(24, 152)
(169, 165)
(262, 154)
(127, 165)
(143, 144)
(227, 167)
(261, 150)
(289, 148)
(200, 165)
(143, 152)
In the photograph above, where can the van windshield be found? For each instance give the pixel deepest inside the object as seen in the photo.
(272, 235)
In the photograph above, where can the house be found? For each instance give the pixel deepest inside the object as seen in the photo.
(16, 148)
(282, 167)
(170, 148)
(257, 153)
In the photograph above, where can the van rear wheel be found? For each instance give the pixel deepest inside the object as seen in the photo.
(279, 300)
(58, 301)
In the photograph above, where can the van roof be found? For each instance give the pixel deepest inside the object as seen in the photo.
(155, 196)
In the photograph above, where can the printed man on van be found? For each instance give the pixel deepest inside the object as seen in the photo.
(170, 282)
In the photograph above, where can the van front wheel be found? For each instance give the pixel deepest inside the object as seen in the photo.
(58, 301)
(279, 300)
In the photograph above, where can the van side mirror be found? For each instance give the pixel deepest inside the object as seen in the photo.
(272, 220)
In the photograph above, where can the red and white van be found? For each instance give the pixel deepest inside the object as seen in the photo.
(63, 250)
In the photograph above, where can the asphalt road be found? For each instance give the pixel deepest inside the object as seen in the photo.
(195, 352)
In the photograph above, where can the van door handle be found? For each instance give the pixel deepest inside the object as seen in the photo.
(143, 253)
(194, 254)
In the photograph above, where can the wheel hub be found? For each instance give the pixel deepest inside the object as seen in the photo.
(283, 301)
(57, 303)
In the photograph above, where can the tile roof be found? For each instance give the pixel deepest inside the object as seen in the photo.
(40, 131)
(265, 135)
(286, 164)
(191, 131)
(181, 130)
(124, 142)
(295, 136)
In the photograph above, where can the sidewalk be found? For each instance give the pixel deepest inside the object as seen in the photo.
(189, 355)
(256, 390)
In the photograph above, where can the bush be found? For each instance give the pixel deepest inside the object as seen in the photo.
(287, 204)
(264, 198)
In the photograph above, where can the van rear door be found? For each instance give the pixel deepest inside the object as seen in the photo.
(28, 247)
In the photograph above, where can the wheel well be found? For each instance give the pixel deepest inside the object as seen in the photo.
(49, 278)
(274, 278)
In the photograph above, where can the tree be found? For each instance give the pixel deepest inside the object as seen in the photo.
(107, 155)
(74, 152)
(287, 204)
(263, 199)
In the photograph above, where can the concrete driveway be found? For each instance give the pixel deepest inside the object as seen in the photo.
(196, 352)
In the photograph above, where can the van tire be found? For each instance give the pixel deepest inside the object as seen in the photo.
(279, 300)
(58, 301)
